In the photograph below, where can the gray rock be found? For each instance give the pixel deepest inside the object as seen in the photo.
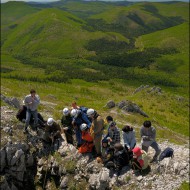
(138, 89)
(4, 185)
(11, 101)
(8, 130)
(100, 181)
(64, 182)
(13, 187)
(139, 178)
(131, 107)
(10, 151)
(30, 160)
(104, 175)
(121, 104)
(3, 159)
(110, 104)
(15, 102)
(155, 90)
(94, 181)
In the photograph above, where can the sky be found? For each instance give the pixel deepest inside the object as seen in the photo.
(44, 1)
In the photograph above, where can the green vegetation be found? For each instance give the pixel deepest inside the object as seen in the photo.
(184, 186)
(89, 51)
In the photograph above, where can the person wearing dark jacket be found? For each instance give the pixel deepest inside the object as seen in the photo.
(121, 158)
(107, 153)
(78, 118)
(66, 122)
(52, 131)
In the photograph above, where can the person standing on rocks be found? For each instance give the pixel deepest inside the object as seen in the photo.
(66, 122)
(148, 138)
(96, 129)
(31, 101)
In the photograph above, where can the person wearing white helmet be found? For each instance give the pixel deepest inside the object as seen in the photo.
(87, 145)
(96, 129)
(52, 130)
(66, 122)
(78, 118)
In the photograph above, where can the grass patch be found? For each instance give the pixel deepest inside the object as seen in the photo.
(184, 186)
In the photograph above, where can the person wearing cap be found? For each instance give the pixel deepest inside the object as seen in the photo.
(78, 118)
(87, 145)
(52, 131)
(113, 134)
(140, 160)
(128, 137)
(66, 122)
(96, 129)
(31, 101)
(148, 138)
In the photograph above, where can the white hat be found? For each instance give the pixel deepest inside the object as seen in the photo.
(74, 112)
(65, 111)
(83, 126)
(50, 121)
(90, 111)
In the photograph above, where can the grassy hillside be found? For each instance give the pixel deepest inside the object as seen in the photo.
(174, 37)
(52, 33)
(95, 51)
(140, 18)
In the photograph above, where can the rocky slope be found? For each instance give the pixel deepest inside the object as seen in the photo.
(28, 163)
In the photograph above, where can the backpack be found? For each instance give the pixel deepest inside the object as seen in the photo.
(168, 152)
(83, 109)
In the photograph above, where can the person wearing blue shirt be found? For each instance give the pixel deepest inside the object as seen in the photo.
(78, 118)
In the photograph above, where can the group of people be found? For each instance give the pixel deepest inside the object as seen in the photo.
(95, 135)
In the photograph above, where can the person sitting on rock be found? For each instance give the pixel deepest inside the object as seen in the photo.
(78, 118)
(66, 122)
(87, 145)
(128, 137)
(107, 152)
(148, 135)
(113, 134)
(139, 161)
(52, 131)
(121, 158)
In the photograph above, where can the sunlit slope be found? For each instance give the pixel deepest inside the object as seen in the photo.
(176, 37)
(53, 32)
(141, 18)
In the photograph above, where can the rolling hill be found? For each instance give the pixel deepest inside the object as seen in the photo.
(99, 51)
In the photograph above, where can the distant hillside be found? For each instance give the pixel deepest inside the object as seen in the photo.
(175, 37)
(97, 40)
